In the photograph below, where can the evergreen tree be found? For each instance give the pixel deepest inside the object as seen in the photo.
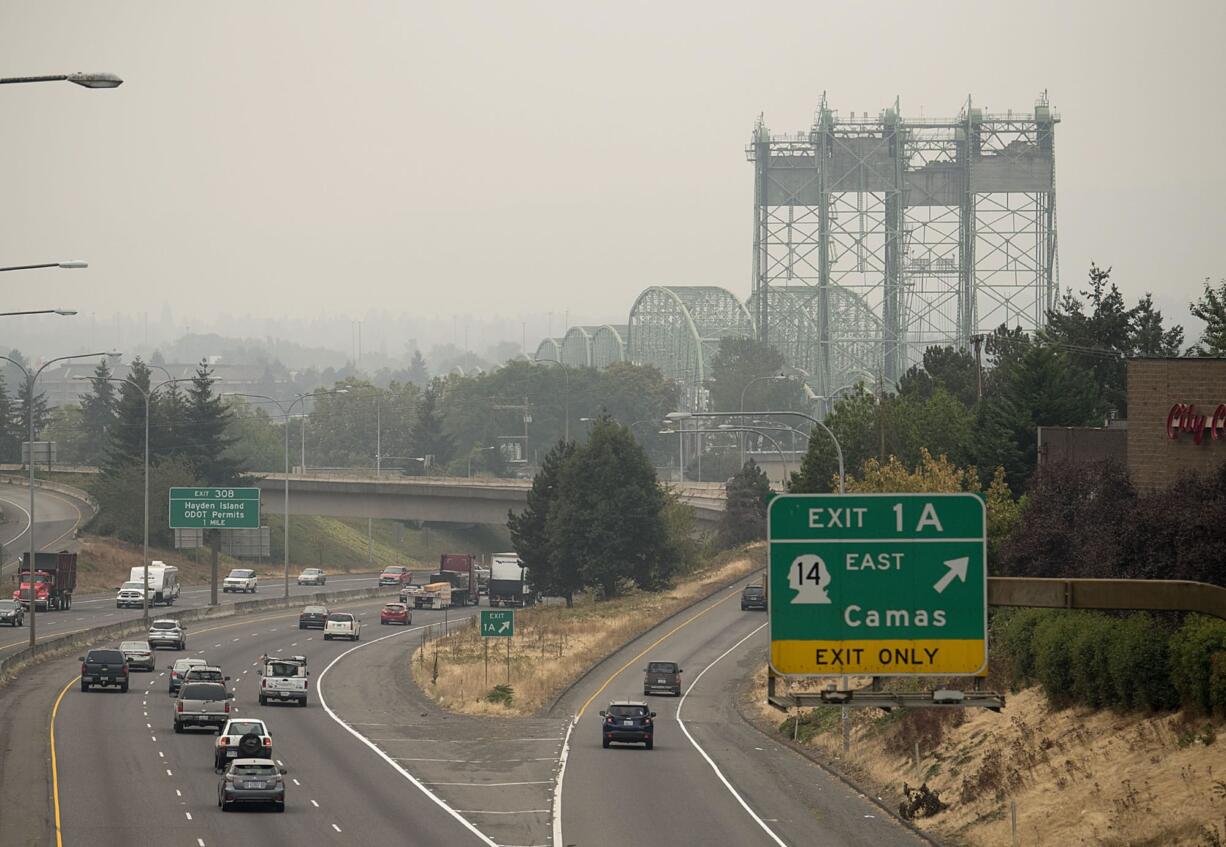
(98, 413)
(11, 434)
(206, 422)
(1097, 340)
(737, 367)
(1211, 308)
(854, 422)
(548, 576)
(1149, 338)
(744, 518)
(607, 520)
(943, 367)
(427, 437)
(168, 434)
(41, 413)
(418, 373)
(126, 446)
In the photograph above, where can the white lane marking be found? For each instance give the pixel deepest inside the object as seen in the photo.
(178, 793)
(488, 784)
(319, 691)
(313, 803)
(472, 761)
(488, 812)
(154, 737)
(168, 773)
(337, 828)
(246, 670)
(235, 641)
(189, 815)
(215, 645)
(148, 726)
(557, 787)
(296, 782)
(681, 704)
(199, 842)
(161, 754)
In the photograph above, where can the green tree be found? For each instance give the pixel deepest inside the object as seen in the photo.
(1097, 339)
(418, 374)
(72, 445)
(10, 432)
(258, 439)
(736, 366)
(1149, 337)
(854, 422)
(427, 437)
(39, 405)
(608, 516)
(206, 421)
(548, 576)
(744, 518)
(126, 446)
(943, 367)
(98, 414)
(1211, 308)
(120, 495)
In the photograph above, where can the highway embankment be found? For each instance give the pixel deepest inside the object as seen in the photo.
(555, 646)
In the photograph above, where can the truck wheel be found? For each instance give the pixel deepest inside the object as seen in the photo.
(178, 727)
(647, 745)
(123, 689)
(84, 685)
(327, 637)
(263, 700)
(604, 742)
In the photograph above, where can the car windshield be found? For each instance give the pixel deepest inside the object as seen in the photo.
(394, 607)
(254, 770)
(201, 675)
(242, 574)
(105, 656)
(244, 727)
(134, 646)
(661, 667)
(164, 625)
(627, 711)
(314, 610)
(395, 569)
(283, 669)
(8, 605)
(754, 589)
(130, 586)
(203, 691)
(184, 664)
(340, 617)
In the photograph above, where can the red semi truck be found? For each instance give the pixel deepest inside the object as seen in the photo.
(460, 570)
(55, 578)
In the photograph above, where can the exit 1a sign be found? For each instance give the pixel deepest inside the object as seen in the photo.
(878, 584)
(498, 623)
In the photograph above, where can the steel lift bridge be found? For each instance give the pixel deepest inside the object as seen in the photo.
(875, 238)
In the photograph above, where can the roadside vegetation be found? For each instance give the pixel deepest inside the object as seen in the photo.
(554, 645)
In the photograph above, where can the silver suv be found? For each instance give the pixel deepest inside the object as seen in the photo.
(167, 632)
(202, 704)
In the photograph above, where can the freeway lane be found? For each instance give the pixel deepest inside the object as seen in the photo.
(673, 794)
(58, 518)
(125, 778)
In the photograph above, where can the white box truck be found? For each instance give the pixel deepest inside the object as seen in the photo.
(508, 581)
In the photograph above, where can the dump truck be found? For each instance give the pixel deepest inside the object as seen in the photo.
(54, 577)
(459, 570)
(508, 581)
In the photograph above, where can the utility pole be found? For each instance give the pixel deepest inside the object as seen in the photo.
(977, 340)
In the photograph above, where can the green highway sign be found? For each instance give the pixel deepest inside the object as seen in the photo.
(214, 508)
(878, 584)
(497, 623)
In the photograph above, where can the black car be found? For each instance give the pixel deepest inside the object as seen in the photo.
(313, 617)
(104, 667)
(12, 613)
(753, 597)
(627, 721)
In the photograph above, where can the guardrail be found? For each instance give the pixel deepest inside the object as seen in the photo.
(65, 644)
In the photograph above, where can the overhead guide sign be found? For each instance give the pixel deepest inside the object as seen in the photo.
(214, 508)
(880, 584)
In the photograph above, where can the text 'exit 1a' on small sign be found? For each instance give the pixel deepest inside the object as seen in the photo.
(878, 584)
(497, 623)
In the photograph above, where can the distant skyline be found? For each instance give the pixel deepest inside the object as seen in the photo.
(325, 162)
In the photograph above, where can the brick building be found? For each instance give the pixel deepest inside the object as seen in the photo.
(1176, 418)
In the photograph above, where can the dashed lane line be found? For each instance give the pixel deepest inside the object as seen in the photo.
(490, 784)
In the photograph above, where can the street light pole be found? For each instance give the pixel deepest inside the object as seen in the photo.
(741, 436)
(72, 263)
(83, 80)
(31, 382)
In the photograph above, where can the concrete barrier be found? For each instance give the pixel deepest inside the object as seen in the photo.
(64, 645)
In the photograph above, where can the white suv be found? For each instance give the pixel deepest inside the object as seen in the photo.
(342, 625)
(241, 579)
(236, 741)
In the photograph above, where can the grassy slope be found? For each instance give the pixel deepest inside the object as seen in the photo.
(335, 545)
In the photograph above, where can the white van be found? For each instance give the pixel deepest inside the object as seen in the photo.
(163, 582)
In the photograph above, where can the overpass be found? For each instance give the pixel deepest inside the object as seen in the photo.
(434, 499)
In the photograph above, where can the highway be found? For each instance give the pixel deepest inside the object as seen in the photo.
(379, 762)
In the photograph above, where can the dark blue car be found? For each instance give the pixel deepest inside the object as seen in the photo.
(627, 721)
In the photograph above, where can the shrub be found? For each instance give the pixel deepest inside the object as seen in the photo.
(1091, 636)
(1139, 664)
(502, 694)
(1016, 645)
(1198, 664)
(1053, 656)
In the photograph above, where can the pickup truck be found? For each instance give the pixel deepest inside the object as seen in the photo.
(104, 667)
(241, 579)
(283, 680)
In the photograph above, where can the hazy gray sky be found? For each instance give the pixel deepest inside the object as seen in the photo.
(323, 158)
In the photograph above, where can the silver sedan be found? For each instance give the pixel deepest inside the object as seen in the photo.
(139, 655)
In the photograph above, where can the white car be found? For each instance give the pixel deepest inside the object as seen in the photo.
(130, 594)
(342, 625)
(230, 743)
(312, 576)
(241, 579)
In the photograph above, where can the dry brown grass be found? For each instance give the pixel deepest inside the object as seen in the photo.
(554, 645)
(103, 564)
(1078, 777)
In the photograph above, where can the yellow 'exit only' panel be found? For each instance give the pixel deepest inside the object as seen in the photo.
(879, 656)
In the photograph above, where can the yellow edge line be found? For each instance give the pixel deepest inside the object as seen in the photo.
(643, 652)
(55, 774)
(55, 781)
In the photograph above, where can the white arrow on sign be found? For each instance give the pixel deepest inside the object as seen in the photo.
(957, 568)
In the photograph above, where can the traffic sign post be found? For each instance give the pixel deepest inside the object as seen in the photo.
(497, 623)
(878, 584)
(214, 508)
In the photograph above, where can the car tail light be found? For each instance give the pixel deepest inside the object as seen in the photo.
(306, 683)
(263, 683)
(646, 721)
(225, 740)
(84, 668)
(227, 708)
(609, 719)
(179, 706)
(267, 741)
(124, 670)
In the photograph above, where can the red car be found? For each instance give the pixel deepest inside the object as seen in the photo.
(395, 613)
(395, 575)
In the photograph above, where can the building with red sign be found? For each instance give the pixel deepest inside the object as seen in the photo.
(1176, 419)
